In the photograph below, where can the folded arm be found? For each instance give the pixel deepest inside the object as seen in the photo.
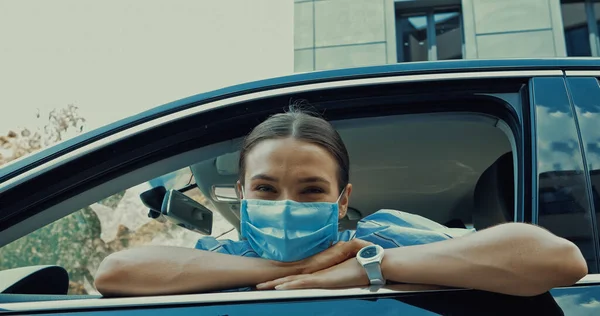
(516, 259)
(159, 270)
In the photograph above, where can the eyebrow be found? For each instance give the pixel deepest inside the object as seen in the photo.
(262, 176)
(313, 179)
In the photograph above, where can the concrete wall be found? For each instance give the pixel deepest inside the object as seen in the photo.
(513, 28)
(332, 34)
(348, 33)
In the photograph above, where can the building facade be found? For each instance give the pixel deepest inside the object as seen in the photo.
(332, 34)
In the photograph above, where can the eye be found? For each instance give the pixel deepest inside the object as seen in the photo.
(264, 188)
(313, 190)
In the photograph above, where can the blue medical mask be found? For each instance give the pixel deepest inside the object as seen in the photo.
(287, 230)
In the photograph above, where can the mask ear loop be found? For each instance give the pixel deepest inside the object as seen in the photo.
(338, 203)
(340, 197)
(241, 192)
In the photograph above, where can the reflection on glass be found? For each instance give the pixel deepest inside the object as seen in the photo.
(576, 29)
(563, 206)
(583, 300)
(586, 97)
(448, 35)
(412, 38)
(334, 307)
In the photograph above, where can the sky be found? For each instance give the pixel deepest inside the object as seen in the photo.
(113, 58)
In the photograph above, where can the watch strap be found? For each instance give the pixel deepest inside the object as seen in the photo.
(374, 273)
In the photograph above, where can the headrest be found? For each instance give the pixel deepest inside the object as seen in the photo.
(494, 194)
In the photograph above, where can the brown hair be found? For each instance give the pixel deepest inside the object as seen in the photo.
(303, 126)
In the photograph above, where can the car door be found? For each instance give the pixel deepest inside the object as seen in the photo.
(585, 97)
(561, 185)
(562, 192)
(160, 142)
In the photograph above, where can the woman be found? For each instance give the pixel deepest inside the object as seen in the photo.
(294, 185)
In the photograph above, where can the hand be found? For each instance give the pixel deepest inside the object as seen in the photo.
(346, 274)
(332, 256)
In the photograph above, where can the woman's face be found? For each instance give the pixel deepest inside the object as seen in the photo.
(291, 169)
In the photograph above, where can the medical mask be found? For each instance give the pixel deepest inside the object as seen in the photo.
(287, 230)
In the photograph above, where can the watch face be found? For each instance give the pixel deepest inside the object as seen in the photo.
(368, 252)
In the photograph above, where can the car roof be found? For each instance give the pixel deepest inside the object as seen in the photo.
(413, 68)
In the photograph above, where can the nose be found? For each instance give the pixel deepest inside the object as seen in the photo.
(287, 195)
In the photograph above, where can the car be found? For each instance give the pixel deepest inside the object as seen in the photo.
(466, 143)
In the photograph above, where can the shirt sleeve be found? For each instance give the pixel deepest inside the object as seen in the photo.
(392, 228)
(227, 246)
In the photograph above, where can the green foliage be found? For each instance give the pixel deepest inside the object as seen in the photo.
(71, 242)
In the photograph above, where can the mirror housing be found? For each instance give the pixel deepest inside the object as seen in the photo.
(187, 213)
(153, 199)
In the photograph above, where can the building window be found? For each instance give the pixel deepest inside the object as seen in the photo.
(581, 20)
(429, 35)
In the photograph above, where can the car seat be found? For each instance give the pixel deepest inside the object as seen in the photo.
(494, 194)
(559, 204)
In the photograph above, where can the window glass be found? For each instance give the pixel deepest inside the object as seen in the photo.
(448, 32)
(412, 38)
(586, 97)
(563, 204)
(597, 13)
(577, 32)
(80, 241)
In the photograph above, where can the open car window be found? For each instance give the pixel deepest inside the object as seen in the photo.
(79, 241)
(452, 181)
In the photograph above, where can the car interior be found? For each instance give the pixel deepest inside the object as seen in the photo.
(456, 168)
(464, 153)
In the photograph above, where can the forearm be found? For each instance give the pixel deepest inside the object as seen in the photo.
(515, 259)
(173, 270)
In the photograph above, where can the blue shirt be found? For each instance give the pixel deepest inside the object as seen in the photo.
(387, 228)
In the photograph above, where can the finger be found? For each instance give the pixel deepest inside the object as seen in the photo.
(338, 253)
(271, 284)
(309, 282)
(329, 257)
(360, 244)
(351, 248)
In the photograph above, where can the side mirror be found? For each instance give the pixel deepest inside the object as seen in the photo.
(187, 213)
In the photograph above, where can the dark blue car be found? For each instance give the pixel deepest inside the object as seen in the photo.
(468, 144)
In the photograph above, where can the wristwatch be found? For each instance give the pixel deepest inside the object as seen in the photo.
(370, 258)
